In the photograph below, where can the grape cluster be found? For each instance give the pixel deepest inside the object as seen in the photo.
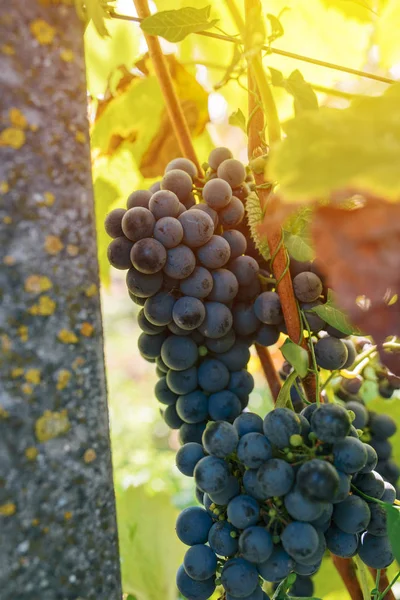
(277, 494)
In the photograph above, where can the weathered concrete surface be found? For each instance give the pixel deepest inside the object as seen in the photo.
(58, 537)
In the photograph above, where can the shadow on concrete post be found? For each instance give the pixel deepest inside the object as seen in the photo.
(58, 536)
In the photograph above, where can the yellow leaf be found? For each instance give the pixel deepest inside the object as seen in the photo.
(387, 35)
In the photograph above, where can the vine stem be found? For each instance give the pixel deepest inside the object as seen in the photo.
(172, 103)
(347, 570)
(383, 584)
(270, 373)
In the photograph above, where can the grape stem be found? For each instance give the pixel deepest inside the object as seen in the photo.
(269, 370)
(173, 105)
(383, 585)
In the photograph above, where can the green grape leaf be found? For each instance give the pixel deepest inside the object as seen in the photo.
(332, 150)
(176, 25)
(254, 218)
(283, 400)
(393, 528)
(304, 96)
(276, 28)
(296, 356)
(239, 120)
(299, 247)
(96, 11)
(334, 316)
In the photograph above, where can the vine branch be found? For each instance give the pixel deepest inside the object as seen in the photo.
(347, 571)
(173, 105)
(383, 584)
(269, 370)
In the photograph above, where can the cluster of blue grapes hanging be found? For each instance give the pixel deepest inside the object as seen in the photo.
(275, 493)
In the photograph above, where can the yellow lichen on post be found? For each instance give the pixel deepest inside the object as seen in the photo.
(53, 245)
(87, 329)
(67, 55)
(91, 290)
(23, 333)
(31, 453)
(4, 187)
(63, 379)
(8, 509)
(89, 456)
(17, 118)
(45, 307)
(12, 137)
(67, 337)
(33, 376)
(37, 283)
(51, 425)
(43, 32)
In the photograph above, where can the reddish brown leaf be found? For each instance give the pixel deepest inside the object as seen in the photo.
(360, 252)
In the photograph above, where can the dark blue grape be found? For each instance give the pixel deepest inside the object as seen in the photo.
(318, 480)
(112, 223)
(217, 193)
(268, 308)
(307, 570)
(139, 198)
(340, 543)
(237, 242)
(193, 407)
(199, 284)
(350, 455)
(188, 456)
(375, 552)
(198, 227)
(351, 354)
(241, 383)
(163, 393)
(315, 322)
(370, 484)
(225, 286)
(330, 423)
(383, 448)
(138, 223)
(148, 256)
(275, 477)
(172, 418)
(255, 544)
(195, 590)
(182, 382)
(193, 525)
(150, 346)
(352, 515)
(301, 508)
(215, 253)
(378, 522)
(232, 214)
(389, 495)
(303, 587)
(237, 357)
(208, 210)
(330, 353)
(177, 181)
(243, 511)
(249, 292)
(239, 577)
(220, 438)
(143, 285)
(279, 425)
(180, 263)
(223, 539)
(258, 594)
(245, 321)
(213, 375)
(278, 566)
(307, 286)
(224, 406)
(164, 203)
(176, 330)
(188, 312)
(200, 562)
(389, 470)
(211, 474)
(168, 231)
(300, 540)
(146, 326)
(223, 344)
(191, 432)
(218, 155)
(251, 485)
(136, 299)
(267, 335)
(232, 171)
(245, 268)
(382, 426)
(360, 412)
(179, 353)
(344, 487)
(231, 489)
(248, 423)
(324, 519)
(308, 411)
(253, 450)
(183, 164)
(158, 308)
(218, 320)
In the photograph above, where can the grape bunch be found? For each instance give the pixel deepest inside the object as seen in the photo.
(276, 495)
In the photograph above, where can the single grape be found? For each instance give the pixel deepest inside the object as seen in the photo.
(195, 590)
(215, 253)
(119, 253)
(308, 411)
(223, 539)
(160, 364)
(139, 198)
(112, 223)
(199, 284)
(179, 353)
(279, 425)
(198, 227)
(163, 393)
(267, 335)
(303, 587)
(307, 286)
(188, 312)
(168, 231)
(180, 263)
(315, 322)
(330, 422)
(300, 540)
(334, 332)
(251, 485)
(200, 562)
(248, 423)
(217, 193)
(211, 474)
(389, 494)
(383, 449)
(275, 477)
(182, 209)
(224, 406)
(350, 455)
(172, 418)
(253, 450)
(183, 164)
(268, 309)
(222, 344)
(278, 566)
(138, 223)
(158, 308)
(220, 439)
(178, 182)
(340, 543)
(237, 242)
(150, 345)
(302, 508)
(188, 456)
(371, 484)
(218, 320)
(209, 211)
(239, 577)
(375, 552)
(255, 544)
(344, 487)
(146, 326)
(378, 522)
(136, 299)
(231, 489)
(182, 382)
(318, 480)
(233, 214)
(193, 407)
(382, 426)
(241, 383)
(307, 570)
(237, 357)
(330, 353)
(232, 171)
(389, 470)
(217, 156)
(143, 285)
(244, 268)
(360, 412)
(225, 286)
(191, 432)
(243, 511)
(148, 255)
(352, 515)
(213, 375)
(258, 594)
(242, 192)
(176, 330)
(351, 354)
(323, 522)
(245, 321)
